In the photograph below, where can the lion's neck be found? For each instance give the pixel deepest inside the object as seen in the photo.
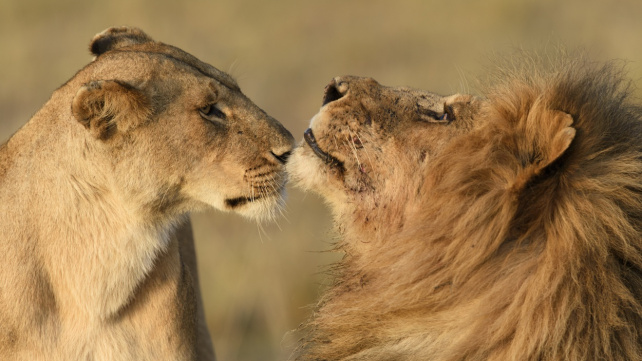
(367, 224)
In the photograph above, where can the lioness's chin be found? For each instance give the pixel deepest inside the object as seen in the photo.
(264, 208)
(260, 204)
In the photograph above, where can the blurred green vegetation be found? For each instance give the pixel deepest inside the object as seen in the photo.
(259, 281)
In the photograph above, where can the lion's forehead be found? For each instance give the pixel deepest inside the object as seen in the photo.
(391, 96)
(378, 100)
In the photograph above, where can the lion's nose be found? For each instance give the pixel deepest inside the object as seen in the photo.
(335, 90)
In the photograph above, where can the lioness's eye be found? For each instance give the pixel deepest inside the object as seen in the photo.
(211, 112)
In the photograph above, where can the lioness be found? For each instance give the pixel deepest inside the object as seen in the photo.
(96, 258)
(501, 227)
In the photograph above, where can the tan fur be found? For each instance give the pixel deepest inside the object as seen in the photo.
(512, 232)
(97, 258)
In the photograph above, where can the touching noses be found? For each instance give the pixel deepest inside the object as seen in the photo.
(282, 143)
(281, 155)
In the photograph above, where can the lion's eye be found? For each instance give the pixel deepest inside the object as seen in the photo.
(449, 113)
(211, 112)
(431, 116)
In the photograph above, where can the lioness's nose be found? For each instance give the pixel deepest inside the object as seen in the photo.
(281, 155)
(281, 142)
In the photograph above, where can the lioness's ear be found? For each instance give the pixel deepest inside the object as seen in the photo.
(114, 38)
(109, 107)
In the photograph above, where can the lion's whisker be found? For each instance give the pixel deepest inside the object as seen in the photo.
(352, 147)
(365, 150)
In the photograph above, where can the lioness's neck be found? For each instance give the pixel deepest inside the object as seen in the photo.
(112, 245)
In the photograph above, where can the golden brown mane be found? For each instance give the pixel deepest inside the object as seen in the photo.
(518, 246)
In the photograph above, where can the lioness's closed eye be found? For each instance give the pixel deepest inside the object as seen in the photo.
(504, 227)
(96, 260)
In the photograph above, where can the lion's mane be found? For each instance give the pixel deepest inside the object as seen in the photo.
(507, 257)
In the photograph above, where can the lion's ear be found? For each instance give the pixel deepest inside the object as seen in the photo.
(109, 107)
(114, 38)
(548, 135)
(551, 131)
(562, 136)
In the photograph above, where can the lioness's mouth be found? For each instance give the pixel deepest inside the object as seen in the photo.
(239, 201)
(312, 142)
(275, 192)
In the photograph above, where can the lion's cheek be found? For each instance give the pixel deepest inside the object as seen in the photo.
(305, 169)
(319, 121)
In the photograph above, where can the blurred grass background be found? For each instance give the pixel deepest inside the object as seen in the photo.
(258, 281)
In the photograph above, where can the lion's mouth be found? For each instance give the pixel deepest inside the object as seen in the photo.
(312, 142)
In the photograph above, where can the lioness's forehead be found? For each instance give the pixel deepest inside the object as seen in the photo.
(178, 57)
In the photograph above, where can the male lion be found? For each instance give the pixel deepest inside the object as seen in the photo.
(503, 227)
(94, 261)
